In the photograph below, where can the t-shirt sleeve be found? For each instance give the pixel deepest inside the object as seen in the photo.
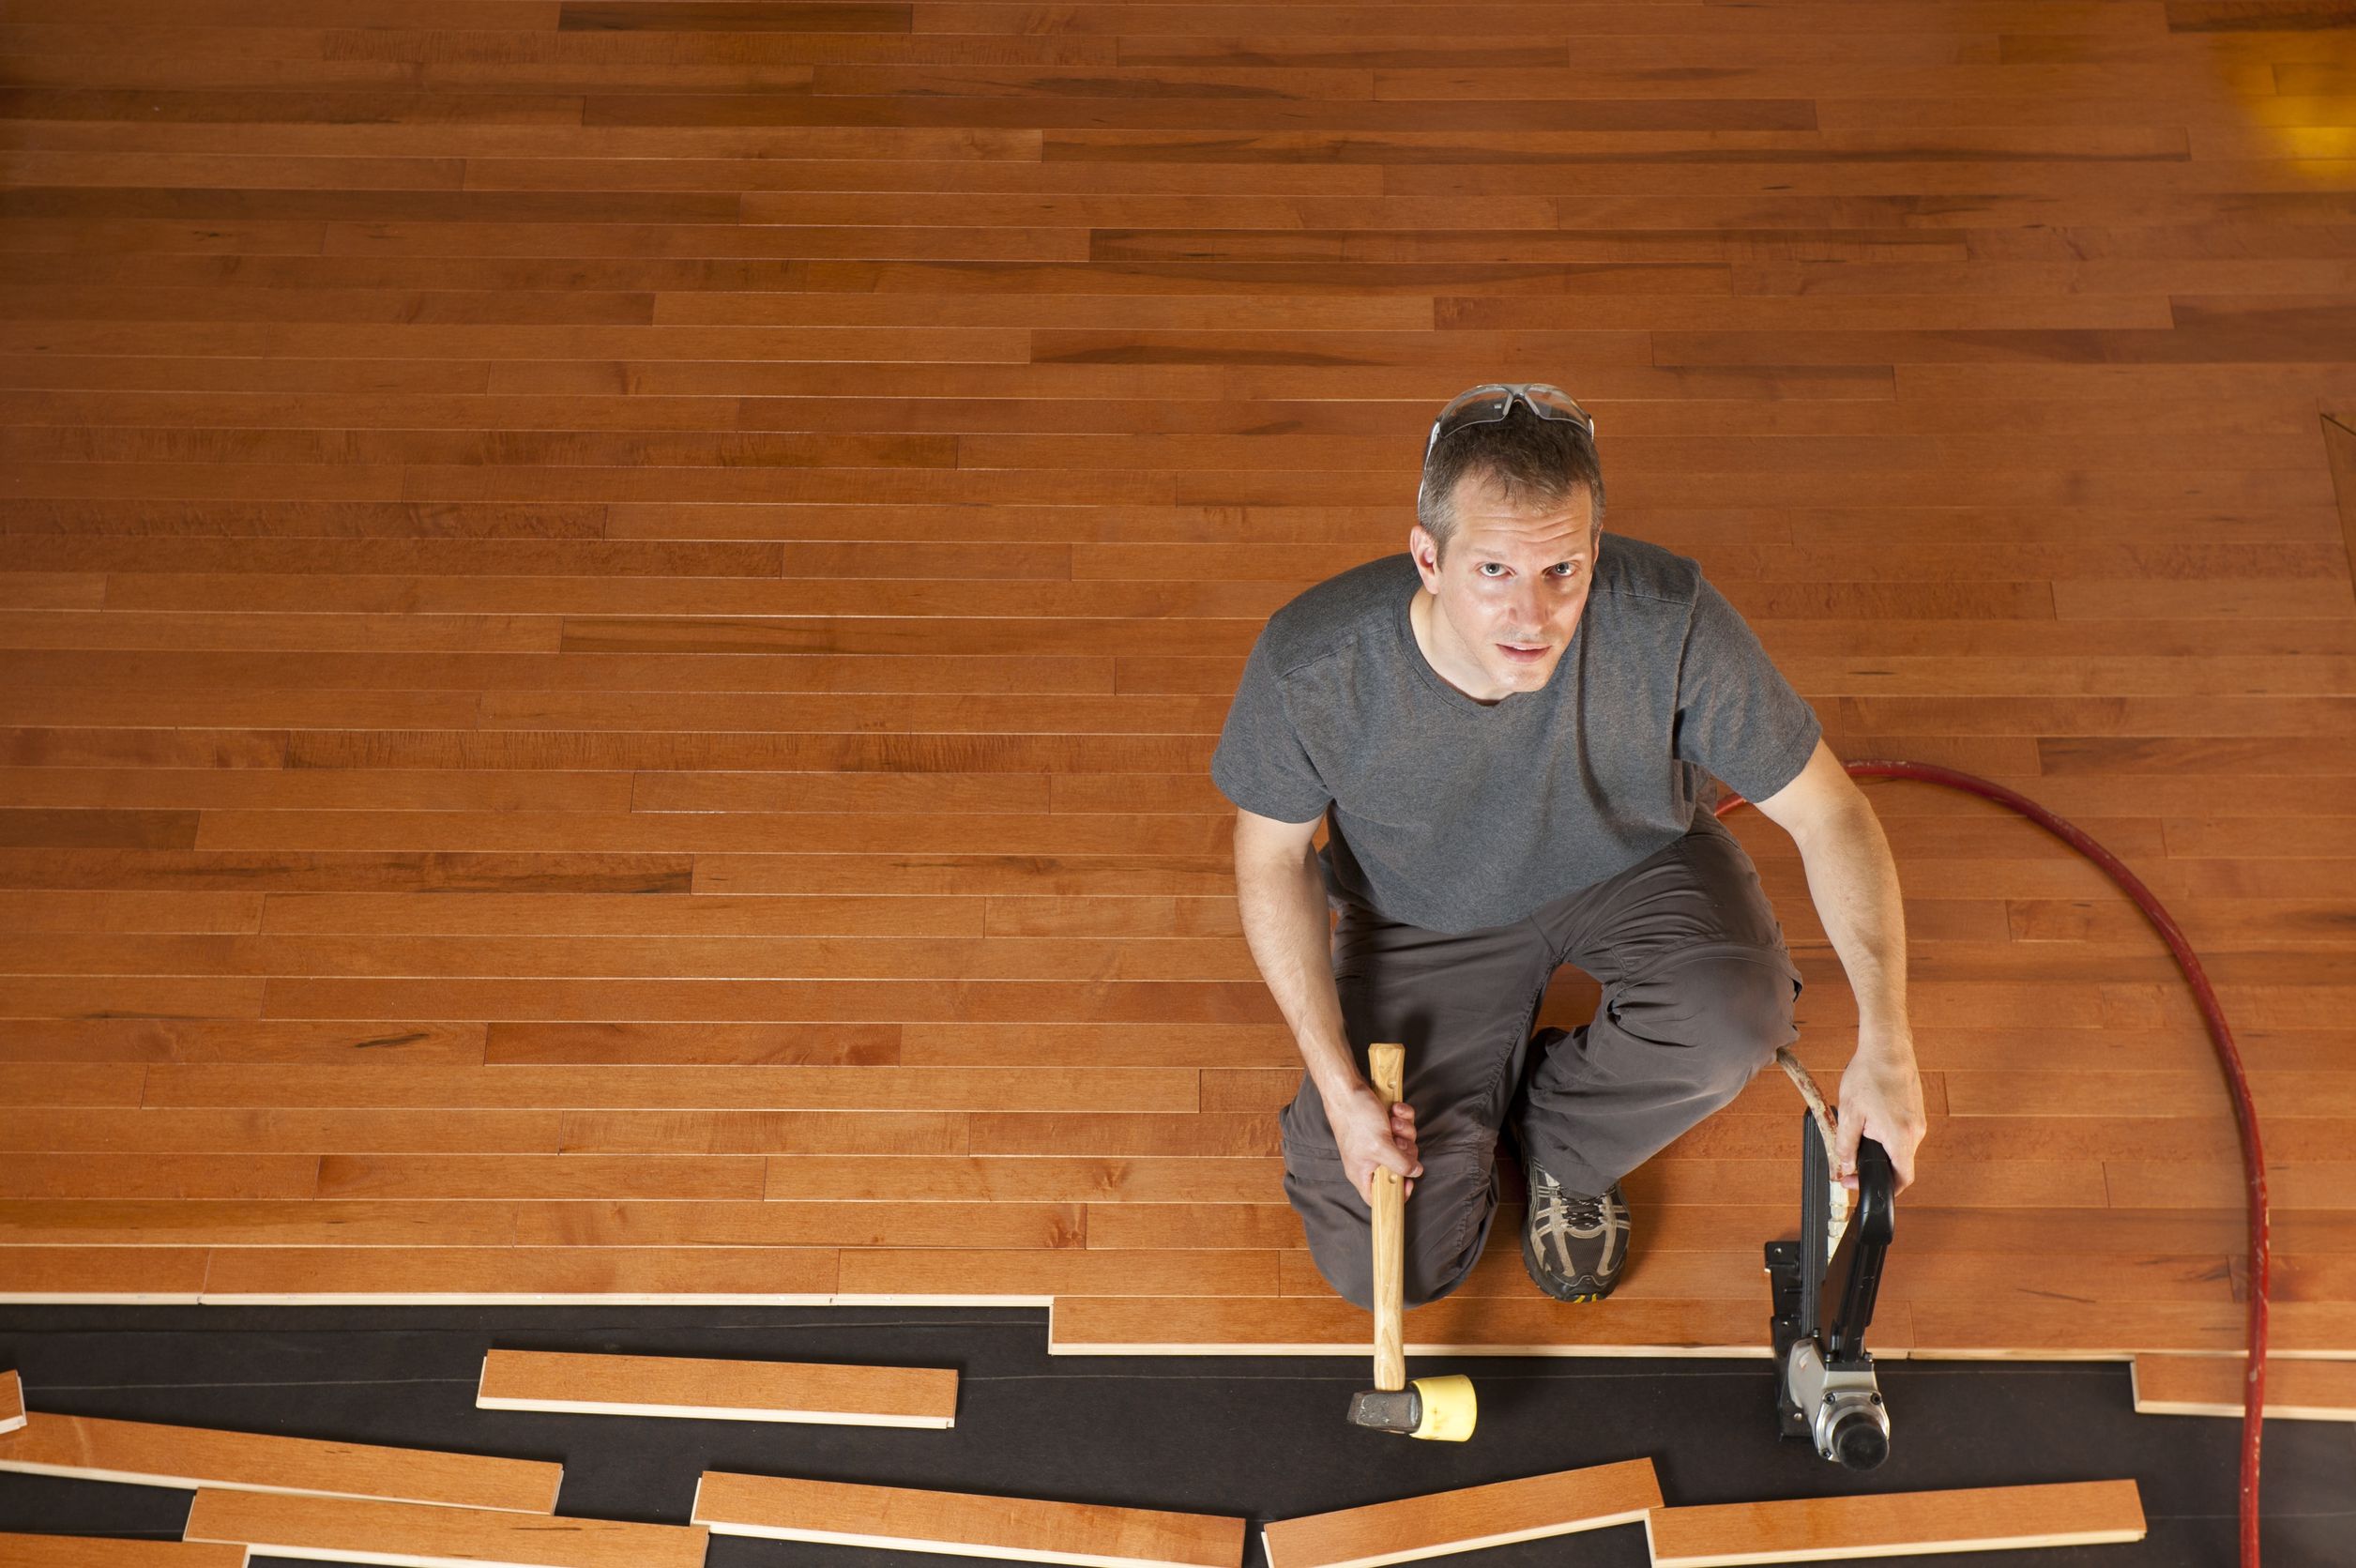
(1736, 713)
(1260, 763)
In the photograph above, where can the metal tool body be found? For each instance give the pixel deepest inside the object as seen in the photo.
(1824, 1284)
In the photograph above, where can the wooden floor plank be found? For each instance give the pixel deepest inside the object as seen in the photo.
(1454, 1325)
(1468, 1519)
(2296, 1390)
(706, 1390)
(151, 1454)
(149, 1275)
(778, 1276)
(11, 1402)
(1024, 1530)
(425, 1536)
(101, 1551)
(1895, 1524)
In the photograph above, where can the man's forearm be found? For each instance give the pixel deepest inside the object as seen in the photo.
(1854, 883)
(1287, 923)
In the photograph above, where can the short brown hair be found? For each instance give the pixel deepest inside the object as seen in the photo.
(1532, 461)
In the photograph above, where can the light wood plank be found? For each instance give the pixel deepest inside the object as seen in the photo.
(707, 1389)
(99, 1551)
(149, 1453)
(1437, 1523)
(954, 1276)
(146, 1276)
(2296, 1389)
(419, 1535)
(965, 1524)
(384, 1276)
(1895, 1524)
(1531, 1326)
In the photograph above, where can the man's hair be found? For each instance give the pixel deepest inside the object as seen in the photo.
(1533, 462)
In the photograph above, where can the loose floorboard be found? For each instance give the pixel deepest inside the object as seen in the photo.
(1895, 1524)
(608, 698)
(964, 1524)
(11, 1402)
(99, 1551)
(345, 1530)
(1467, 1519)
(2215, 1385)
(705, 1390)
(148, 1454)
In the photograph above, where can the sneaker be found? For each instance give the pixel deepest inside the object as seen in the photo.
(1573, 1244)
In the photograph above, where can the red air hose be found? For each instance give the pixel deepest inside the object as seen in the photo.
(2245, 1114)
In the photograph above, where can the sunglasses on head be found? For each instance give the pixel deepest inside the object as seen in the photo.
(1493, 400)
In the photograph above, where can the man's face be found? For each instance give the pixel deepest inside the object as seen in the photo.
(1513, 580)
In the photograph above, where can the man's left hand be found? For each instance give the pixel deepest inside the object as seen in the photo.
(1881, 1097)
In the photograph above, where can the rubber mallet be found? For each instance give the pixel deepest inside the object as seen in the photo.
(1441, 1409)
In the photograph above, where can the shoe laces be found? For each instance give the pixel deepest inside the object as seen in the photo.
(1572, 1214)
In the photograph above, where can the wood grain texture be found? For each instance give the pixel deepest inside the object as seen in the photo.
(151, 1454)
(1895, 1524)
(99, 1551)
(346, 1530)
(2297, 1388)
(1467, 1519)
(594, 695)
(706, 1390)
(11, 1402)
(965, 1524)
(777, 1277)
(1454, 1325)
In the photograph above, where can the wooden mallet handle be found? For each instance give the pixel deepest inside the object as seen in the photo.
(1386, 1065)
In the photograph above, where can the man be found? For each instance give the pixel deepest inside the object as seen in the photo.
(1506, 728)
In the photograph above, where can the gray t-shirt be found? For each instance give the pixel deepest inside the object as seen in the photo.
(1453, 815)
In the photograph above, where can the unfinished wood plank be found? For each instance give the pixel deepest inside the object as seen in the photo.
(964, 1524)
(420, 1535)
(104, 1551)
(148, 1454)
(1895, 1524)
(708, 1390)
(1590, 1498)
(11, 1402)
(2297, 1388)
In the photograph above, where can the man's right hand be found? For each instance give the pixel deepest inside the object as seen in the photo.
(1372, 1135)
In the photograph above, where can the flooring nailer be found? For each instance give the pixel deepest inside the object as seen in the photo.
(1824, 1285)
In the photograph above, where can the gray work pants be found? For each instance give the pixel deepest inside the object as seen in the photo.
(1697, 992)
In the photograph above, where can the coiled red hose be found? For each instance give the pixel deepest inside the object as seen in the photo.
(2245, 1114)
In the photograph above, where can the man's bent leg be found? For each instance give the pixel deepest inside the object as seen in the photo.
(1698, 989)
(1462, 1005)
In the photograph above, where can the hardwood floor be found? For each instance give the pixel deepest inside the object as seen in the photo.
(613, 618)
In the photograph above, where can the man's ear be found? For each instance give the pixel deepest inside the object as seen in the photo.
(1422, 545)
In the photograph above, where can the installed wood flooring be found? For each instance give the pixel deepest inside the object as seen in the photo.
(614, 619)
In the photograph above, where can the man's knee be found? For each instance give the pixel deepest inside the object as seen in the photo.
(1447, 1220)
(1736, 1005)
